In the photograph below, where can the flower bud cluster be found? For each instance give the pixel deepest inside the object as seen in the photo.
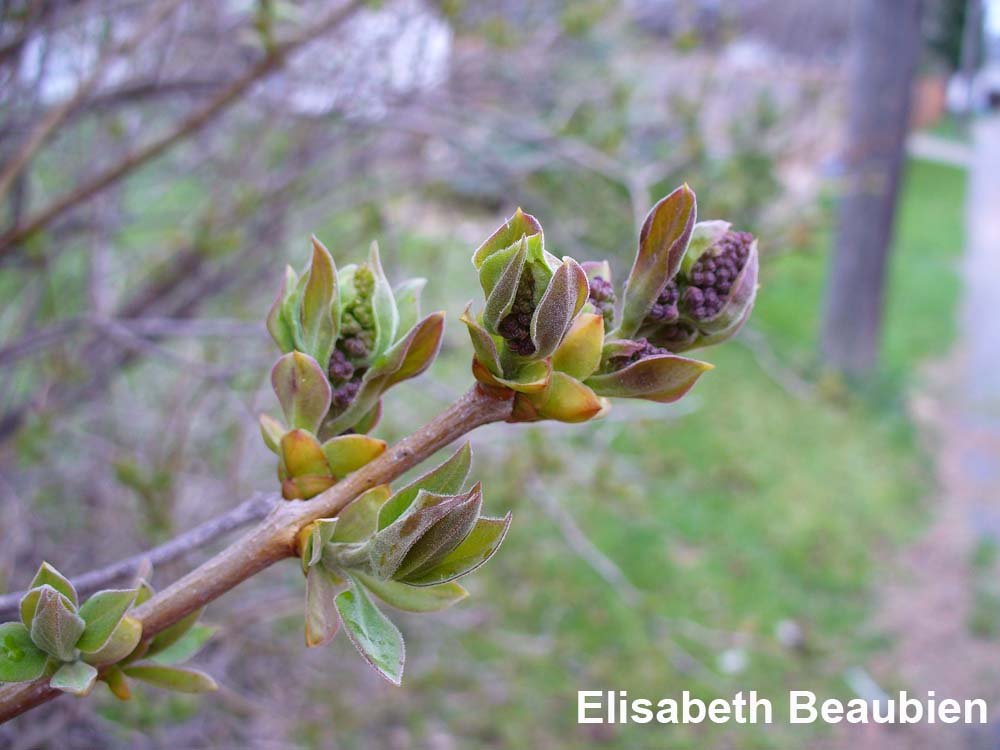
(691, 285)
(340, 332)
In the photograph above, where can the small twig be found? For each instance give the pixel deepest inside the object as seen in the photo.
(250, 510)
(581, 544)
(757, 344)
(55, 116)
(191, 124)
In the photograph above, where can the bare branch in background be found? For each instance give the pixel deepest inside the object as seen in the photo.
(249, 511)
(55, 117)
(191, 124)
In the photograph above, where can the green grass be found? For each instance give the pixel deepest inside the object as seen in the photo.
(741, 509)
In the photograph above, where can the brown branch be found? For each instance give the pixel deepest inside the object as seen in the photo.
(191, 124)
(276, 537)
(250, 510)
(58, 114)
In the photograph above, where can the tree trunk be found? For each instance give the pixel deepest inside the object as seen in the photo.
(885, 52)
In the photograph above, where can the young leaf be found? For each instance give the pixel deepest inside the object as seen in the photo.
(114, 678)
(318, 299)
(102, 612)
(569, 400)
(56, 627)
(348, 453)
(478, 547)
(303, 456)
(122, 643)
(389, 550)
(322, 620)
(271, 430)
(359, 520)
(166, 638)
(482, 342)
(563, 298)
(383, 305)
(76, 677)
(302, 389)
(662, 378)
(412, 598)
(20, 659)
(500, 277)
(517, 226)
(186, 646)
(580, 352)
(371, 632)
(445, 479)
(48, 575)
(172, 678)
(662, 244)
(277, 323)
(437, 541)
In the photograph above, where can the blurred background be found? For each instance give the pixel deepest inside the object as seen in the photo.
(820, 513)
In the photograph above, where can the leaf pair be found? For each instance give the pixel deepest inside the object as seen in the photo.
(407, 549)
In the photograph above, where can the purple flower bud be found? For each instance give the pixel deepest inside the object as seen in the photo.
(711, 277)
(515, 327)
(602, 297)
(664, 310)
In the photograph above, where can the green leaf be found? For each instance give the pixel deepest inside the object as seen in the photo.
(318, 300)
(413, 598)
(517, 226)
(322, 620)
(663, 241)
(413, 353)
(443, 519)
(348, 453)
(479, 546)
(172, 678)
(662, 378)
(102, 612)
(145, 592)
(277, 323)
(371, 632)
(359, 520)
(302, 389)
(500, 277)
(48, 575)
(302, 454)
(271, 430)
(20, 659)
(169, 636)
(77, 678)
(320, 532)
(445, 535)
(114, 678)
(445, 479)
(563, 298)
(186, 646)
(579, 355)
(383, 305)
(569, 400)
(482, 343)
(56, 627)
(122, 643)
